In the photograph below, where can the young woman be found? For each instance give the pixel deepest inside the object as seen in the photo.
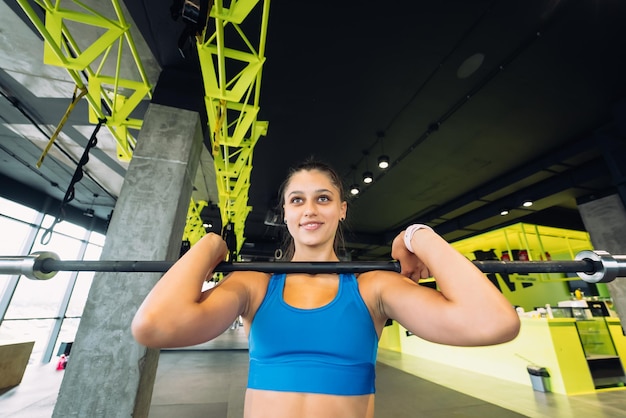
(313, 338)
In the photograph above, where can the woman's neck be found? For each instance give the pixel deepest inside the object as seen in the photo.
(314, 254)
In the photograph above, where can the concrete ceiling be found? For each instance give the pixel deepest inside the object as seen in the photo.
(479, 104)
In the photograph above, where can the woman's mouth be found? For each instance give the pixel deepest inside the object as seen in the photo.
(310, 226)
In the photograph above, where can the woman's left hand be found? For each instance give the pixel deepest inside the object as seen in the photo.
(411, 265)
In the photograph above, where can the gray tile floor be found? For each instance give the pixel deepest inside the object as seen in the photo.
(218, 380)
(209, 381)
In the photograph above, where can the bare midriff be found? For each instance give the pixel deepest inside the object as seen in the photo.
(273, 404)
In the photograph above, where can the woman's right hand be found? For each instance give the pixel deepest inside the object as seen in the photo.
(219, 250)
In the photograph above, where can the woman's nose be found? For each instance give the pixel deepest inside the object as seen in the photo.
(309, 209)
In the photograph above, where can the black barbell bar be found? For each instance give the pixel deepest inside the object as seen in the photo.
(591, 266)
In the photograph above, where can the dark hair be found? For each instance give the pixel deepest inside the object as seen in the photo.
(288, 247)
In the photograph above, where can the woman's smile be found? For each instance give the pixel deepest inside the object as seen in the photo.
(311, 226)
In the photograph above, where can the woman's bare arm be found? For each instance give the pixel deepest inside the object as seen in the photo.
(468, 310)
(177, 313)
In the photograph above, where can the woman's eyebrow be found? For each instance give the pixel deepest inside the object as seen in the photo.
(316, 191)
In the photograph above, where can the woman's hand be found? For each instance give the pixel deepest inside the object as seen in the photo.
(410, 264)
(219, 248)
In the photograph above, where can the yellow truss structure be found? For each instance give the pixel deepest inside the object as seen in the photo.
(111, 97)
(194, 229)
(232, 81)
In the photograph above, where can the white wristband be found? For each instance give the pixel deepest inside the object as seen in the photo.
(408, 234)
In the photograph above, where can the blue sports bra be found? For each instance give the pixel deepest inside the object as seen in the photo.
(331, 349)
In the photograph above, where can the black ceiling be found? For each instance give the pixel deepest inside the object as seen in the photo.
(479, 104)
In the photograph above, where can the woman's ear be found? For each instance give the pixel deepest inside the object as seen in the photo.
(344, 210)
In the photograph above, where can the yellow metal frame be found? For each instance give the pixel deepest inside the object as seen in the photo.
(194, 229)
(62, 50)
(537, 240)
(232, 81)
(231, 96)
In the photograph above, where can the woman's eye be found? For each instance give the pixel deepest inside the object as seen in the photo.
(323, 199)
(296, 200)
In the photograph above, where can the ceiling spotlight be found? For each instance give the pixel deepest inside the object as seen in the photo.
(527, 203)
(504, 212)
(368, 177)
(354, 190)
(383, 162)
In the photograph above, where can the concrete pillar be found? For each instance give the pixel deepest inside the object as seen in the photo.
(108, 373)
(605, 220)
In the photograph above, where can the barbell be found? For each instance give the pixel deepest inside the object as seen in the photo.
(590, 266)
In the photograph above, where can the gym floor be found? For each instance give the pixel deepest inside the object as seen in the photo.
(209, 381)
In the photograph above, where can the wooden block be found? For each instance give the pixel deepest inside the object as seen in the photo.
(13, 362)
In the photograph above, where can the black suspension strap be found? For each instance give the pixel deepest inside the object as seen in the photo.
(230, 238)
(195, 16)
(70, 194)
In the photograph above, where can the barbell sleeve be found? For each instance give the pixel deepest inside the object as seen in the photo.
(608, 267)
(591, 266)
(28, 266)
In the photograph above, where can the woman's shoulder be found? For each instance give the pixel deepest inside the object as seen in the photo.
(249, 278)
(371, 283)
(374, 283)
(376, 277)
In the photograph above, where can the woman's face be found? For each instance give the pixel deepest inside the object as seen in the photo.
(313, 208)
